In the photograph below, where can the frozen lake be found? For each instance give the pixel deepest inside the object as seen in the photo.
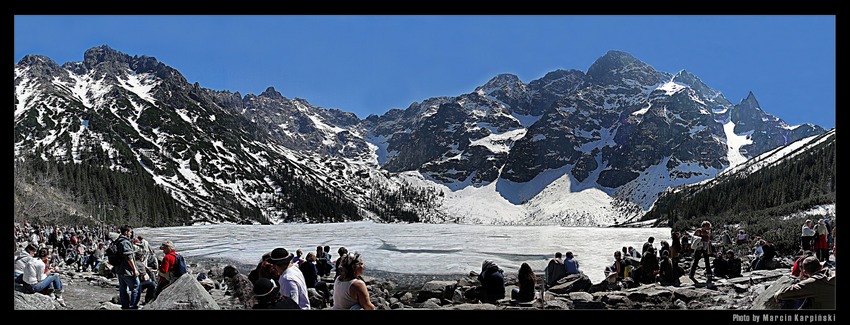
(437, 249)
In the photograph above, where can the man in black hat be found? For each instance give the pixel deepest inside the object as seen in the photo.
(292, 283)
(268, 296)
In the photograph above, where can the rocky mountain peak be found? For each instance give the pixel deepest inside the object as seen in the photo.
(39, 65)
(271, 93)
(615, 66)
(502, 81)
(750, 102)
(103, 53)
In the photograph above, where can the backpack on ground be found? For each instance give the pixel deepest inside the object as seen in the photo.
(179, 267)
(114, 252)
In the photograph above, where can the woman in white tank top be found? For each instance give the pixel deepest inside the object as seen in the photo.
(349, 291)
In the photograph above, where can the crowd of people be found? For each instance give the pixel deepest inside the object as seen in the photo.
(82, 248)
(281, 279)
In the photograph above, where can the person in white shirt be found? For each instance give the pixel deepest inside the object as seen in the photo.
(292, 283)
(21, 261)
(37, 277)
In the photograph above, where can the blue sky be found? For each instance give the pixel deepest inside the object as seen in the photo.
(369, 64)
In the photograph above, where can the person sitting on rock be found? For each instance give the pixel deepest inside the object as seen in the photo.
(571, 265)
(797, 268)
(634, 253)
(146, 277)
(648, 270)
(554, 270)
(667, 274)
(721, 265)
(268, 296)
(21, 261)
(665, 246)
(818, 287)
(38, 278)
(299, 257)
(264, 269)
(648, 245)
(527, 282)
(350, 291)
(239, 287)
(733, 264)
(492, 282)
(342, 251)
(618, 269)
(291, 281)
(311, 276)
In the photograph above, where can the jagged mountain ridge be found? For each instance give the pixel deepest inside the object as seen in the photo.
(213, 158)
(572, 148)
(606, 141)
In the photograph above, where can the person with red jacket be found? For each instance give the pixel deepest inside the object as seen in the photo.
(169, 261)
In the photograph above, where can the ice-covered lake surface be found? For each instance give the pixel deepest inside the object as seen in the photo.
(424, 249)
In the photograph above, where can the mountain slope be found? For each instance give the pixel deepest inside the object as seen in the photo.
(783, 180)
(573, 148)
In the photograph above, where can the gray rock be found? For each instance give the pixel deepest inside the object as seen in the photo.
(615, 299)
(185, 293)
(765, 300)
(468, 281)
(380, 303)
(588, 305)
(557, 304)
(109, 306)
(572, 283)
(397, 305)
(580, 296)
(433, 303)
(688, 294)
(437, 289)
(680, 304)
(35, 301)
(406, 298)
(472, 307)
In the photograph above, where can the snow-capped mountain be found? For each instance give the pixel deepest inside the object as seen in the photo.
(576, 148)
(217, 154)
(573, 147)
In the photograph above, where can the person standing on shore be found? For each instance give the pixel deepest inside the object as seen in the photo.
(703, 234)
(128, 273)
(807, 234)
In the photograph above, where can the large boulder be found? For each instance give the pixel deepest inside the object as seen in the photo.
(572, 283)
(436, 289)
(765, 300)
(35, 301)
(186, 293)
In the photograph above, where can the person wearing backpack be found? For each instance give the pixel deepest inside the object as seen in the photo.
(170, 263)
(128, 274)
